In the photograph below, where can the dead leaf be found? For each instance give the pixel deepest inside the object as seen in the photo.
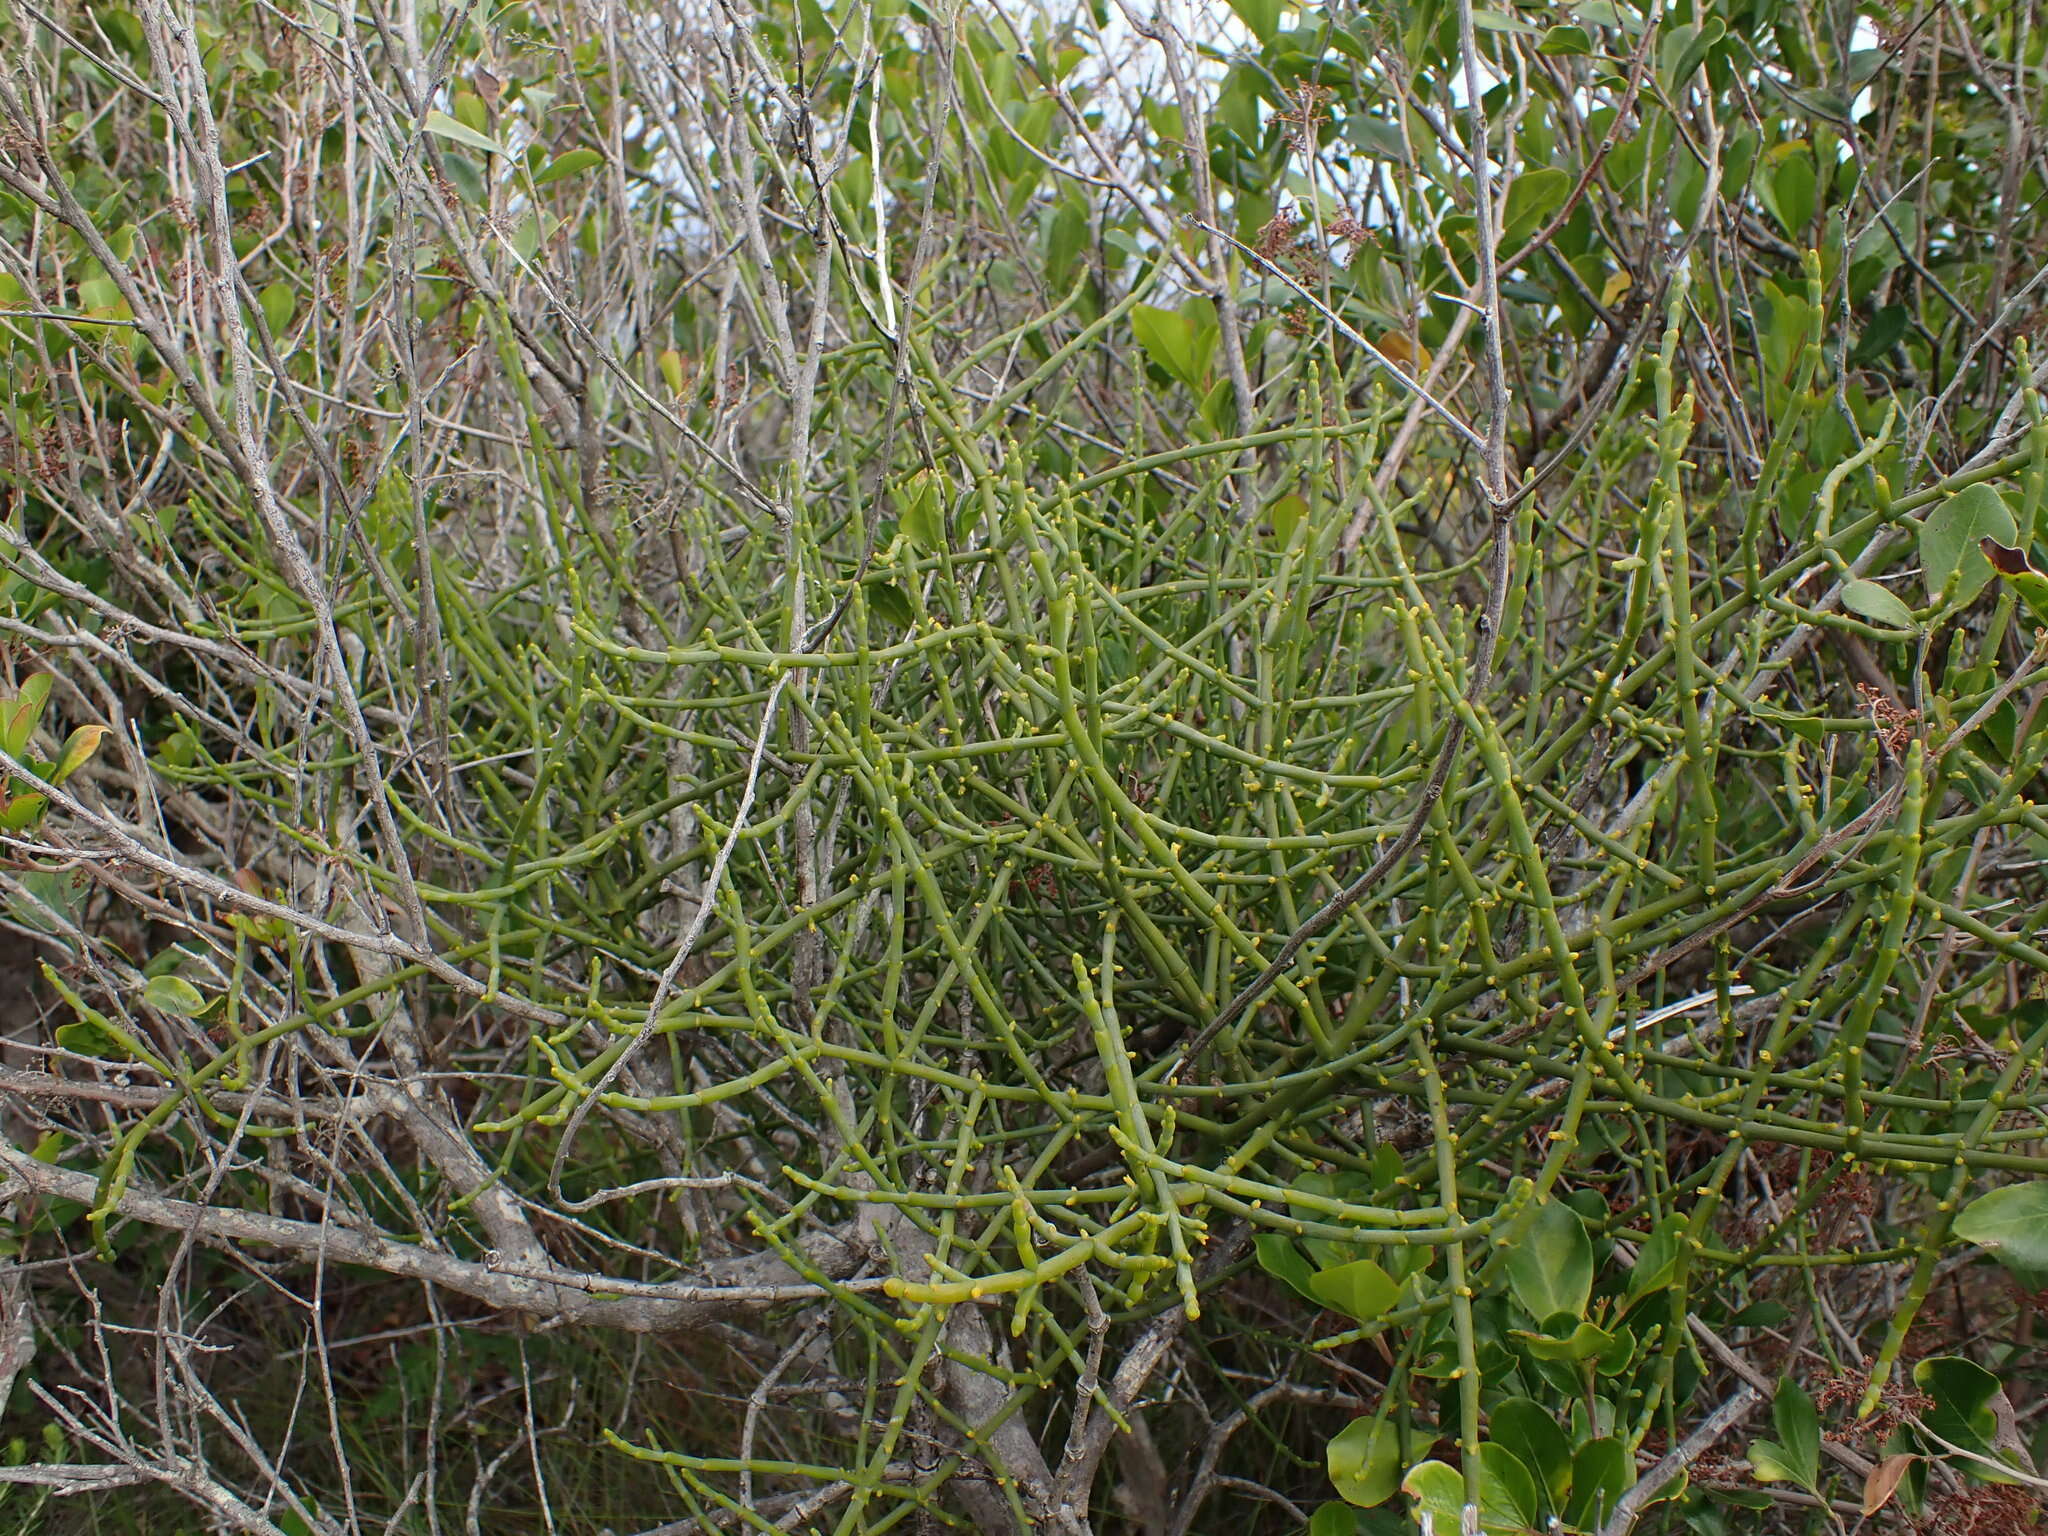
(2008, 1438)
(1883, 1481)
(2008, 562)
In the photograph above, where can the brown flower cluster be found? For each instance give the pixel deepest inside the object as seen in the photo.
(1042, 881)
(1282, 241)
(1894, 722)
(1897, 1402)
(1988, 1511)
(1305, 115)
(46, 454)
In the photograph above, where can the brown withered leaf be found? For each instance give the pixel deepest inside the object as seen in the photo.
(2009, 1439)
(1883, 1481)
(2004, 559)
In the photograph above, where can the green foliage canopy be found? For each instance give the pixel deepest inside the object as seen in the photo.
(920, 688)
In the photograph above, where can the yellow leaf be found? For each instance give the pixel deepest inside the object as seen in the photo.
(79, 747)
(1617, 285)
(1412, 356)
(672, 374)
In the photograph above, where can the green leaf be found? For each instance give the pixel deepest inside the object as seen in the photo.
(279, 305)
(1525, 1427)
(2011, 1224)
(1066, 236)
(527, 236)
(1582, 1342)
(101, 298)
(1952, 537)
(1334, 1519)
(1364, 1461)
(570, 163)
(1772, 1463)
(1761, 1314)
(1386, 1168)
(1962, 1391)
(917, 511)
(1279, 1258)
(1685, 47)
(1376, 137)
(470, 110)
(1168, 340)
(887, 603)
(1880, 336)
(1261, 16)
(1745, 1498)
(1438, 1490)
(1794, 191)
(1621, 1350)
(1971, 1410)
(1798, 1425)
(1285, 513)
(1878, 604)
(48, 901)
(20, 715)
(174, 994)
(1360, 1289)
(169, 958)
(1602, 1471)
(89, 1039)
(1507, 1492)
(1795, 1456)
(1657, 1262)
(1550, 1262)
(443, 126)
(1806, 727)
(1534, 197)
(1565, 42)
(1178, 340)
(1219, 408)
(1603, 13)
(23, 812)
